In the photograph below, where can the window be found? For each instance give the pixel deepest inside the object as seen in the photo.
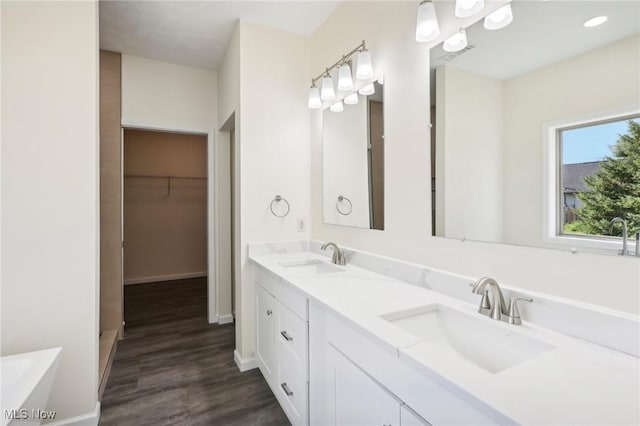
(598, 165)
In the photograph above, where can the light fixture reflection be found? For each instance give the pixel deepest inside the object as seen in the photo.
(367, 90)
(337, 107)
(352, 99)
(499, 19)
(466, 8)
(456, 42)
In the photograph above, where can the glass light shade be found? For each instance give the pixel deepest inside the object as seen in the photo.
(456, 42)
(427, 27)
(352, 99)
(345, 82)
(367, 90)
(327, 93)
(466, 8)
(337, 107)
(314, 98)
(364, 69)
(499, 19)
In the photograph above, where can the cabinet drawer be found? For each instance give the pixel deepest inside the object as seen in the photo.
(291, 391)
(291, 338)
(287, 295)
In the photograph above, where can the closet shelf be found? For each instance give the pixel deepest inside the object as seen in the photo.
(168, 178)
(165, 177)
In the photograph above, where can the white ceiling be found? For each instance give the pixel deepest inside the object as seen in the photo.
(543, 32)
(197, 33)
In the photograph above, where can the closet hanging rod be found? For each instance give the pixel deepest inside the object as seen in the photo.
(165, 177)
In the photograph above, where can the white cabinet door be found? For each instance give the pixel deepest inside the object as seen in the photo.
(265, 333)
(360, 400)
(408, 417)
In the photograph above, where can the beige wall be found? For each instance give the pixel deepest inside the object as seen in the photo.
(389, 32)
(470, 145)
(110, 197)
(228, 177)
(272, 131)
(165, 228)
(50, 205)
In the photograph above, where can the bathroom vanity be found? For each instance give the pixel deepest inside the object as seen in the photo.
(380, 341)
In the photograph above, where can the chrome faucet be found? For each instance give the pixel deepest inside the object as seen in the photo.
(338, 256)
(496, 307)
(625, 249)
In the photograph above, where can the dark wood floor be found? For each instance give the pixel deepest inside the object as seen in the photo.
(173, 368)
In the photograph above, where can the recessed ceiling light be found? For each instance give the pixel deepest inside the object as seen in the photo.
(594, 22)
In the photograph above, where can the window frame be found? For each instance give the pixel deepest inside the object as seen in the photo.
(552, 186)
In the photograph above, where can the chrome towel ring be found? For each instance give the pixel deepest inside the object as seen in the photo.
(278, 199)
(342, 198)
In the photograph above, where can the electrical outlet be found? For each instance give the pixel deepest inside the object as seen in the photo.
(301, 225)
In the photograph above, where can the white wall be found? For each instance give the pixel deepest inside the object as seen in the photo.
(161, 95)
(274, 150)
(228, 109)
(469, 136)
(167, 95)
(598, 81)
(389, 28)
(50, 192)
(345, 167)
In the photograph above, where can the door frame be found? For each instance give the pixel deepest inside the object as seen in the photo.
(212, 285)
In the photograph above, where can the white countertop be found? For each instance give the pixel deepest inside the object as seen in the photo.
(577, 382)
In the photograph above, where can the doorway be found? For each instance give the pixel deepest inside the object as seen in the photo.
(165, 205)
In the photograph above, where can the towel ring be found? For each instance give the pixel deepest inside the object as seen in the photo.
(277, 199)
(342, 198)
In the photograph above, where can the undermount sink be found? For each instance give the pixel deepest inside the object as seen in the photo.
(310, 266)
(492, 347)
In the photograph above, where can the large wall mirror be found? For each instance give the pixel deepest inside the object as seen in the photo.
(353, 160)
(536, 135)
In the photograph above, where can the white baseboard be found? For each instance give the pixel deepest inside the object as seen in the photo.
(244, 364)
(225, 319)
(159, 278)
(88, 419)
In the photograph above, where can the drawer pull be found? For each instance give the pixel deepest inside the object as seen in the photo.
(286, 389)
(286, 336)
(269, 312)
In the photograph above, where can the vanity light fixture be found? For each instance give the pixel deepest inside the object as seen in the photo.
(499, 19)
(427, 27)
(456, 42)
(345, 82)
(314, 98)
(352, 99)
(594, 22)
(367, 90)
(337, 107)
(364, 71)
(466, 8)
(327, 93)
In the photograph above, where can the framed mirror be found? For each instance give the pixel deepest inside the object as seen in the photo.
(534, 126)
(353, 160)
